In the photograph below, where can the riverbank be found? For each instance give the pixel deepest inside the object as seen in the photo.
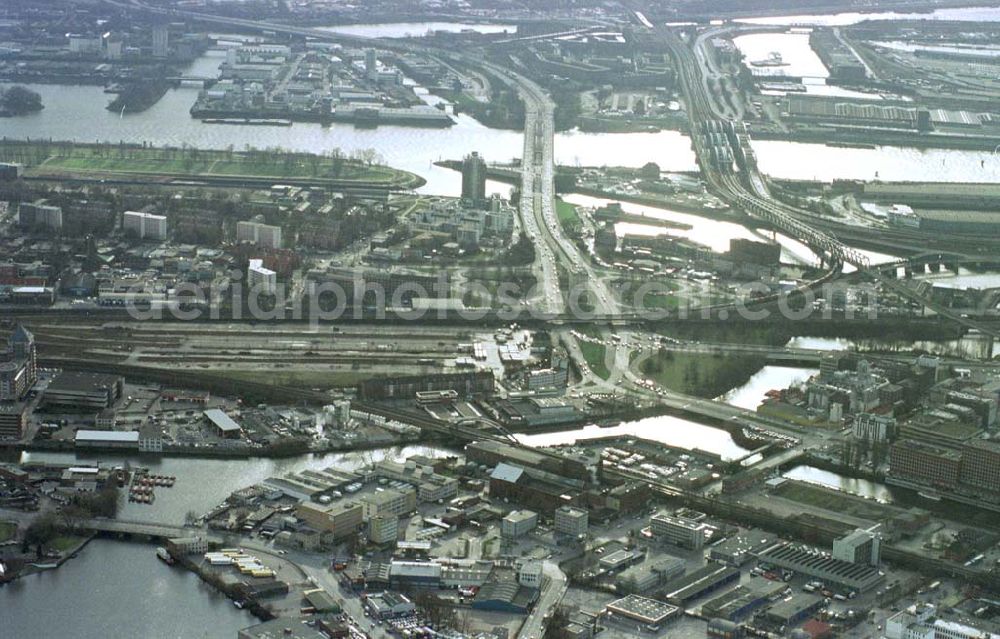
(847, 137)
(49, 159)
(275, 452)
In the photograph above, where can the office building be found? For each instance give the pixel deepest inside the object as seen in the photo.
(529, 573)
(259, 234)
(650, 575)
(96, 391)
(261, 279)
(678, 531)
(518, 523)
(390, 502)
(430, 485)
(150, 439)
(18, 365)
(474, 178)
(340, 519)
(571, 521)
(981, 464)
(13, 418)
(39, 214)
(924, 464)
(161, 41)
(383, 529)
(858, 547)
(873, 428)
(144, 226)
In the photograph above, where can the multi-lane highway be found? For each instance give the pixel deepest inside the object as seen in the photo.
(727, 162)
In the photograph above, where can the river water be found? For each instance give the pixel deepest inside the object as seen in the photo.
(860, 487)
(964, 14)
(751, 394)
(203, 484)
(117, 589)
(417, 29)
(672, 431)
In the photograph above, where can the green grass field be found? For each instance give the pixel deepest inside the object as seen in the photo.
(831, 500)
(64, 543)
(594, 353)
(699, 374)
(567, 214)
(56, 157)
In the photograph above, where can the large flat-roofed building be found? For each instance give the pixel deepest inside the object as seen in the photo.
(430, 485)
(812, 563)
(619, 559)
(678, 531)
(390, 502)
(283, 628)
(794, 611)
(389, 604)
(648, 576)
(652, 614)
(518, 523)
(981, 464)
(13, 419)
(107, 439)
(93, 391)
(740, 602)
(571, 521)
(425, 574)
(223, 423)
(910, 460)
(144, 225)
(340, 519)
(530, 488)
(491, 453)
(738, 549)
(706, 579)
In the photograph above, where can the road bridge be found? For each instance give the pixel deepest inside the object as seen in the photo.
(730, 168)
(136, 528)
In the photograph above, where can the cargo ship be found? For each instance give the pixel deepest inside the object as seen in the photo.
(249, 121)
